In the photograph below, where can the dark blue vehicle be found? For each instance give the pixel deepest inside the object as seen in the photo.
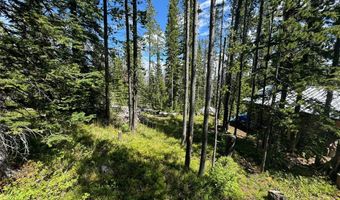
(242, 122)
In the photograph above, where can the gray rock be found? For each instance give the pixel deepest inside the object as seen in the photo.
(276, 195)
(104, 169)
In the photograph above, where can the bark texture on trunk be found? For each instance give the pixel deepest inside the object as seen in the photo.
(240, 73)
(106, 64)
(192, 104)
(218, 84)
(335, 63)
(208, 87)
(233, 37)
(135, 66)
(128, 60)
(255, 63)
(186, 70)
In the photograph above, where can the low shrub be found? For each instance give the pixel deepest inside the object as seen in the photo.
(225, 178)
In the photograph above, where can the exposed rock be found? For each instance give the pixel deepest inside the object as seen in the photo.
(163, 114)
(150, 111)
(276, 195)
(104, 169)
(331, 150)
(122, 113)
(5, 170)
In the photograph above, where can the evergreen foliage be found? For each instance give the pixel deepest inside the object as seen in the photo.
(49, 71)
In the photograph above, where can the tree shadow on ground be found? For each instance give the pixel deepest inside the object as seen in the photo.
(245, 146)
(114, 171)
(172, 127)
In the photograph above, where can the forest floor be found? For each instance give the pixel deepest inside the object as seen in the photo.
(94, 162)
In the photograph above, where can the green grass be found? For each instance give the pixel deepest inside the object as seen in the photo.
(92, 163)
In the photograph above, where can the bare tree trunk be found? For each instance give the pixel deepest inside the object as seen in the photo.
(106, 63)
(272, 109)
(237, 11)
(135, 65)
(192, 104)
(244, 40)
(220, 62)
(265, 152)
(267, 58)
(128, 60)
(218, 94)
(295, 135)
(287, 64)
(172, 90)
(255, 63)
(268, 133)
(186, 69)
(150, 66)
(218, 84)
(208, 87)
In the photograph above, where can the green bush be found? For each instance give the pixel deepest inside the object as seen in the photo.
(125, 128)
(225, 178)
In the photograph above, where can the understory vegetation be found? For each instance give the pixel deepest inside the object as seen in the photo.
(94, 162)
(176, 99)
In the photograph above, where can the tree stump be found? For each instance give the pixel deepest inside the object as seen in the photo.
(120, 135)
(276, 195)
(338, 180)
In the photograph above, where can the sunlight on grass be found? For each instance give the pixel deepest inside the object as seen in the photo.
(147, 164)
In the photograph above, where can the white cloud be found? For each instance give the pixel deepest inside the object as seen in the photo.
(206, 4)
(205, 33)
(204, 16)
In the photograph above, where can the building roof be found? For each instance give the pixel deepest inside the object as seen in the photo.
(313, 100)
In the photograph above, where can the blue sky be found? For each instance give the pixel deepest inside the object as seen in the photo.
(161, 7)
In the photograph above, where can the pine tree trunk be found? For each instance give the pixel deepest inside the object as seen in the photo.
(220, 63)
(135, 66)
(128, 61)
(218, 94)
(287, 12)
(172, 90)
(186, 69)
(335, 63)
(106, 63)
(237, 11)
(149, 62)
(208, 87)
(159, 77)
(267, 58)
(255, 63)
(265, 151)
(268, 133)
(192, 104)
(272, 106)
(218, 84)
(240, 73)
(295, 135)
